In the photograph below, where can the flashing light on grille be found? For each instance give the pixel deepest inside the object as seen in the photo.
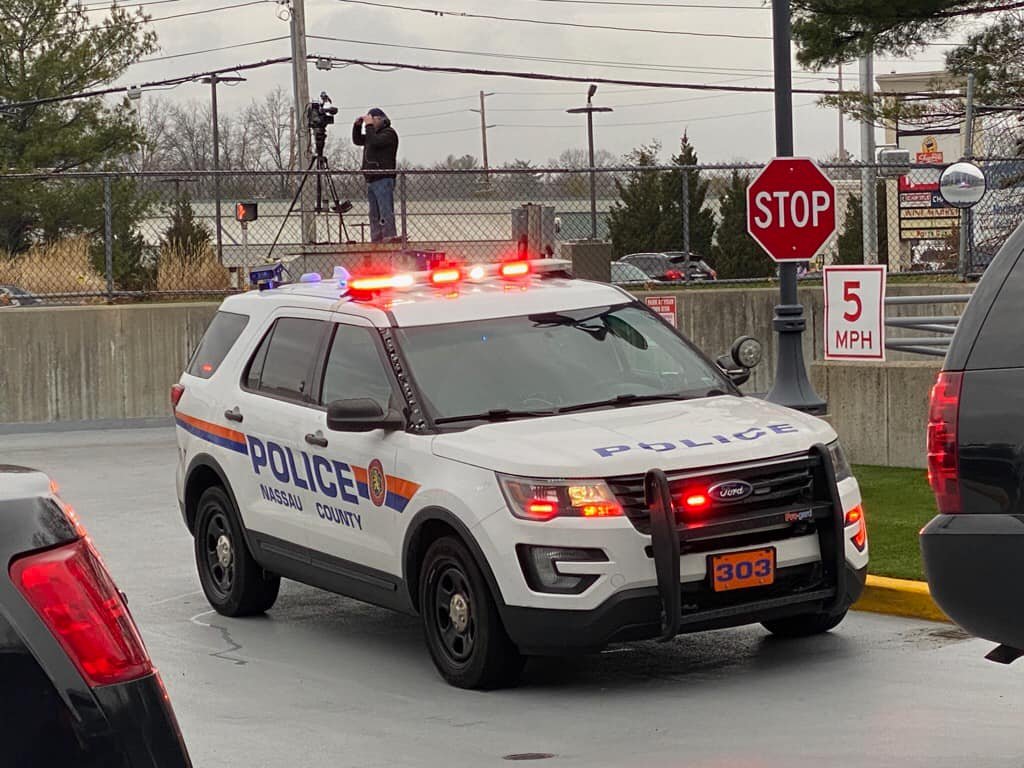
(539, 509)
(513, 269)
(696, 501)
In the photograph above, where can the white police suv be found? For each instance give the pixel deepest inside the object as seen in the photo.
(533, 464)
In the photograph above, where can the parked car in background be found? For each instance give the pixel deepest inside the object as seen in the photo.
(672, 266)
(13, 296)
(624, 273)
(974, 549)
(79, 688)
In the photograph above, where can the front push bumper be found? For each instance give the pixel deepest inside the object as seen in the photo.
(829, 586)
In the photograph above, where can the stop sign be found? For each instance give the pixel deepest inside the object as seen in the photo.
(791, 209)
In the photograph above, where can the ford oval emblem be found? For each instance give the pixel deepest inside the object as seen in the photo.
(730, 490)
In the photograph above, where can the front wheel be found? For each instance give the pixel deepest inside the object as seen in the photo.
(463, 630)
(804, 626)
(234, 583)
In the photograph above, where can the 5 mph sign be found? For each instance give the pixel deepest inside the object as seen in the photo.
(854, 306)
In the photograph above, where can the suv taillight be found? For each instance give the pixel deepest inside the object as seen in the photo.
(177, 390)
(943, 453)
(76, 598)
(673, 274)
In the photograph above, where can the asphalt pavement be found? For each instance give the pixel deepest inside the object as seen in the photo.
(324, 681)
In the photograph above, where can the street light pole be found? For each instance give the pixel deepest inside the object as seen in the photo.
(792, 388)
(212, 81)
(589, 110)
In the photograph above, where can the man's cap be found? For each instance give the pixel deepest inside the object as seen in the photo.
(376, 112)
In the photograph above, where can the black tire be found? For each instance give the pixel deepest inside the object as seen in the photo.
(240, 587)
(453, 592)
(804, 626)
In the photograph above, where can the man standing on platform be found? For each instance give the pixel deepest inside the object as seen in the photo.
(373, 132)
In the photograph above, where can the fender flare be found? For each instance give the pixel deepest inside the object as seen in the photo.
(440, 514)
(206, 461)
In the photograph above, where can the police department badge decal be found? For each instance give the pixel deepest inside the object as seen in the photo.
(377, 482)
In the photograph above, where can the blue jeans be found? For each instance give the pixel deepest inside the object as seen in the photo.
(381, 195)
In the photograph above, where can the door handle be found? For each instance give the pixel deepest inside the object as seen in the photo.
(317, 438)
(233, 415)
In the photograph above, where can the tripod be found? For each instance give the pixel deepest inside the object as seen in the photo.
(318, 164)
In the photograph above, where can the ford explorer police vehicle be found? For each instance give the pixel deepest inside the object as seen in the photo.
(535, 465)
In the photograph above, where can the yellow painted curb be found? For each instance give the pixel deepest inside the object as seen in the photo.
(899, 597)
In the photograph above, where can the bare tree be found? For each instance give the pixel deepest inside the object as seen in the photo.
(271, 125)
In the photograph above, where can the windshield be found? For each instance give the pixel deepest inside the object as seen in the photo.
(545, 363)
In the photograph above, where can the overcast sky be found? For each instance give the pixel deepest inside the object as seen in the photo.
(432, 111)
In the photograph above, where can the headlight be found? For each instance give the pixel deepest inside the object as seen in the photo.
(839, 461)
(543, 500)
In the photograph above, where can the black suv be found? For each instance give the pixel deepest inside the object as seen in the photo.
(974, 549)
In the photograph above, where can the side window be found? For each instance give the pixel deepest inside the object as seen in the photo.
(282, 364)
(220, 337)
(1000, 344)
(354, 368)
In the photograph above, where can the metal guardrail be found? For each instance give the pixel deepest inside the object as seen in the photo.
(944, 325)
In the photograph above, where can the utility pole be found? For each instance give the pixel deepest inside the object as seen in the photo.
(842, 117)
(967, 213)
(589, 110)
(212, 81)
(792, 387)
(483, 133)
(869, 189)
(300, 86)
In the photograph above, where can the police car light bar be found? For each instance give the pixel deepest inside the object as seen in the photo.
(451, 274)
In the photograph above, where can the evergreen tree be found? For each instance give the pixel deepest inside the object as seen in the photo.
(736, 254)
(850, 245)
(53, 48)
(634, 220)
(185, 237)
(702, 218)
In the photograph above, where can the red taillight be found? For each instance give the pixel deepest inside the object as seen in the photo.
(673, 274)
(943, 453)
(860, 537)
(514, 269)
(177, 391)
(446, 276)
(78, 601)
(539, 509)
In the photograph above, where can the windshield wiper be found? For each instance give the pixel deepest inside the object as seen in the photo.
(629, 399)
(495, 414)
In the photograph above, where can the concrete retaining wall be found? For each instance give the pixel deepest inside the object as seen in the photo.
(94, 363)
(72, 364)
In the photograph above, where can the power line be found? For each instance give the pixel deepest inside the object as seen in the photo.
(143, 86)
(185, 14)
(489, 17)
(211, 50)
(603, 80)
(753, 72)
(635, 3)
(105, 6)
(438, 133)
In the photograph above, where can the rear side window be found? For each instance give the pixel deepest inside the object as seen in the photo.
(218, 340)
(1000, 343)
(283, 364)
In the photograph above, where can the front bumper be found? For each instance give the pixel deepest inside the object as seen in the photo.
(975, 573)
(636, 614)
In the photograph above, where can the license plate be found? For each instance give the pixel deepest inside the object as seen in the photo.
(740, 570)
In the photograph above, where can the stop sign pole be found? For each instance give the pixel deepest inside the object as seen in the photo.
(792, 387)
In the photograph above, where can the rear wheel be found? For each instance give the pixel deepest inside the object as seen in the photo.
(234, 583)
(463, 630)
(804, 626)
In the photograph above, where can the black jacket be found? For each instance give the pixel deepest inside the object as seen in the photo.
(380, 149)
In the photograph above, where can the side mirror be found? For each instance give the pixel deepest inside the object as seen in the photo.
(745, 355)
(361, 415)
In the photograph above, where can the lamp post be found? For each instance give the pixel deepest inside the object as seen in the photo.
(212, 81)
(589, 111)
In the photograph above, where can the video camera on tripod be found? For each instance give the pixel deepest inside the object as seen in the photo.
(319, 115)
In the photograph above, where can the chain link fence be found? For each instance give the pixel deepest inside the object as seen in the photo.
(91, 238)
